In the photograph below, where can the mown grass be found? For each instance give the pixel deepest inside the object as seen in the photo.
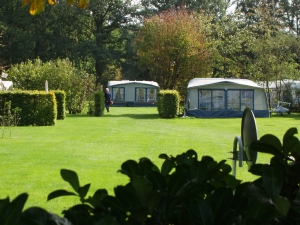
(95, 147)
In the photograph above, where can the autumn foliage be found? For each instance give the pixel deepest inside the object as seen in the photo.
(172, 47)
(38, 6)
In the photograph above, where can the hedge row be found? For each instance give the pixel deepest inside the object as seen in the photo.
(38, 108)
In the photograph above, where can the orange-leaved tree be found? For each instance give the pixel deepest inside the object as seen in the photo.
(173, 47)
(38, 6)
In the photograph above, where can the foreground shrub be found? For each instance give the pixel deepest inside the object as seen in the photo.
(185, 190)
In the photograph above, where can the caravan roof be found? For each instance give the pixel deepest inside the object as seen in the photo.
(121, 82)
(197, 82)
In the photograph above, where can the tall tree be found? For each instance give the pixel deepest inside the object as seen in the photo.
(109, 18)
(172, 47)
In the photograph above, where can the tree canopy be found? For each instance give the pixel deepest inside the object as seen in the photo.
(173, 48)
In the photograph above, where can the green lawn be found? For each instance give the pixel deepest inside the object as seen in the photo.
(95, 147)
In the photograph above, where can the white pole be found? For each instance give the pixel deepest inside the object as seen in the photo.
(46, 86)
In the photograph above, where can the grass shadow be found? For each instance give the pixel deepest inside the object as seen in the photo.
(135, 116)
(295, 116)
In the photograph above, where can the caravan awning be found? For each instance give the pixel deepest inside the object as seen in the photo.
(121, 82)
(200, 82)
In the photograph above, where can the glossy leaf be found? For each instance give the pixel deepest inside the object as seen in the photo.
(282, 204)
(127, 197)
(272, 140)
(107, 220)
(256, 169)
(272, 180)
(71, 177)
(163, 156)
(220, 201)
(10, 212)
(130, 167)
(147, 166)
(59, 193)
(142, 187)
(198, 170)
(82, 191)
(289, 144)
(290, 133)
(258, 210)
(153, 201)
(176, 182)
(201, 213)
(263, 147)
(167, 167)
(158, 181)
(114, 204)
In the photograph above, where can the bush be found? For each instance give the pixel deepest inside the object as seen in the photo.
(60, 74)
(167, 103)
(61, 104)
(99, 103)
(186, 190)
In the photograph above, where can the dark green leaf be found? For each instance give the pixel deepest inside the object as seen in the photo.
(112, 203)
(163, 156)
(71, 177)
(198, 170)
(272, 180)
(177, 180)
(290, 133)
(201, 213)
(59, 193)
(142, 187)
(158, 181)
(11, 212)
(220, 199)
(153, 201)
(167, 167)
(140, 214)
(82, 191)
(272, 140)
(261, 210)
(279, 163)
(282, 204)
(127, 197)
(256, 169)
(263, 147)
(295, 151)
(147, 166)
(107, 220)
(130, 167)
(289, 144)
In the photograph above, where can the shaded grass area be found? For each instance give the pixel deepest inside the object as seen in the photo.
(95, 147)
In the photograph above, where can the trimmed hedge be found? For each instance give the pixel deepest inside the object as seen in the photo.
(167, 103)
(99, 103)
(61, 104)
(38, 108)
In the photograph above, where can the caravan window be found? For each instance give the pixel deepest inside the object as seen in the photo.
(145, 94)
(235, 100)
(205, 100)
(247, 98)
(118, 94)
(218, 100)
